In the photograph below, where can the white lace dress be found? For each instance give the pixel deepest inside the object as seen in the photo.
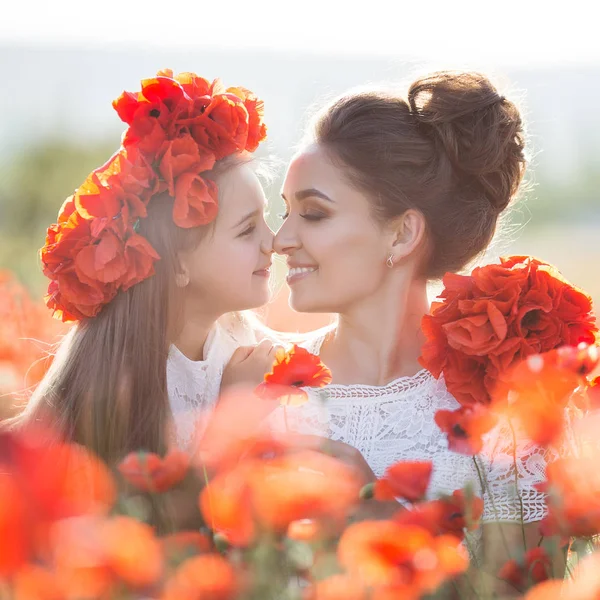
(194, 386)
(396, 422)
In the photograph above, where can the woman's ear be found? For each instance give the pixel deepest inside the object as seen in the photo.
(408, 234)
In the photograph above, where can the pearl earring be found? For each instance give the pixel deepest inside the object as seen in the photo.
(390, 261)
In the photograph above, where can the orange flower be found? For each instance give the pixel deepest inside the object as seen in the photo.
(465, 427)
(405, 560)
(500, 314)
(148, 472)
(43, 481)
(405, 479)
(37, 583)
(236, 430)
(26, 335)
(208, 576)
(293, 369)
(78, 557)
(338, 587)
(540, 388)
(225, 503)
(573, 488)
(132, 551)
(61, 480)
(302, 485)
(536, 566)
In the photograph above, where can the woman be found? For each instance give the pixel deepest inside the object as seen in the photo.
(152, 257)
(386, 195)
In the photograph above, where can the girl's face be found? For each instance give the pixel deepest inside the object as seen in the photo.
(229, 270)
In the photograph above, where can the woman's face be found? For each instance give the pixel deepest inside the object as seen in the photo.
(336, 251)
(229, 270)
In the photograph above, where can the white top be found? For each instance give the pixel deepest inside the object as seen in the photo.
(396, 422)
(194, 385)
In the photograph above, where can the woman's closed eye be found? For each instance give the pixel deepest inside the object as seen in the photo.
(313, 216)
(309, 216)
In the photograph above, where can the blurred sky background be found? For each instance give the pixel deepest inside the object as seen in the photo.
(63, 62)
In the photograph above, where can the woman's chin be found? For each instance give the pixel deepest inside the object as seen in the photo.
(305, 305)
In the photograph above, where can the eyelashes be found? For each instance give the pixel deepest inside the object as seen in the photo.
(307, 216)
(248, 231)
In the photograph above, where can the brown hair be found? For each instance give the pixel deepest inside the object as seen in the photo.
(453, 150)
(107, 387)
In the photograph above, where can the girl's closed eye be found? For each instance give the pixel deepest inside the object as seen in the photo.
(248, 231)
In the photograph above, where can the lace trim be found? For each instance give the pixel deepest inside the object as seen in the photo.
(401, 385)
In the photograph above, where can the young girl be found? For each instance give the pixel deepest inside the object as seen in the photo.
(153, 257)
(388, 194)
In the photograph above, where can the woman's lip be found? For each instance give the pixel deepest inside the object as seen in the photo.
(298, 276)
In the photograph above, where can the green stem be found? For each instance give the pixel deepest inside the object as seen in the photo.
(485, 487)
(514, 436)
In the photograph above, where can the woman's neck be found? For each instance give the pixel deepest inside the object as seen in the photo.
(379, 339)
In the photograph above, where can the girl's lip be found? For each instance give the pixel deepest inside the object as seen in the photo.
(263, 272)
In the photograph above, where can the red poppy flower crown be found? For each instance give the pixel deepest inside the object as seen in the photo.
(178, 127)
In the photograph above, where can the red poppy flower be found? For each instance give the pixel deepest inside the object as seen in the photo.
(178, 126)
(540, 388)
(405, 560)
(405, 479)
(536, 566)
(487, 322)
(150, 473)
(293, 369)
(196, 200)
(465, 427)
(257, 130)
(182, 155)
(14, 530)
(42, 481)
(449, 515)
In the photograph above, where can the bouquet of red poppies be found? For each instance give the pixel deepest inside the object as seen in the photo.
(490, 320)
